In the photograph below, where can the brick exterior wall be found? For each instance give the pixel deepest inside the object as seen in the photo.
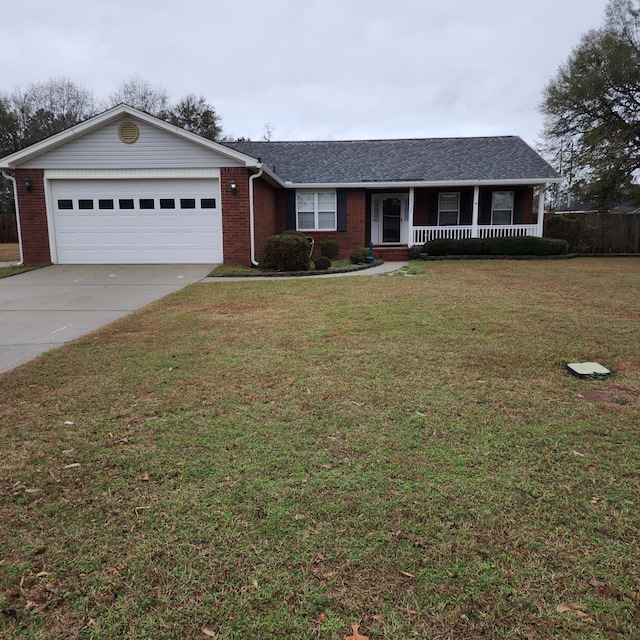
(356, 233)
(269, 213)
(236, 248)
(530, 216)
(34, 228)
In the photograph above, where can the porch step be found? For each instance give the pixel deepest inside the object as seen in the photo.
(392, 253)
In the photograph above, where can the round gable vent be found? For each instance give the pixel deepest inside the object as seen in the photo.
(128, 132)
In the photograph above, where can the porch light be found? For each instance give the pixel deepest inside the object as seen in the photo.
(233, 185)
(27, 184)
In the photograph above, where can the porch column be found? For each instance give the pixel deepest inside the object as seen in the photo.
(541, 194)
(410, 225)
(474, 213)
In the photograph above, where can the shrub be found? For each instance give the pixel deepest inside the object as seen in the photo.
(414, 252)
(525, 246)
(451, 247)
(297, 234)
(322, 263)
(330, 249)
(510, 246)
(356, 257)
(288, 251)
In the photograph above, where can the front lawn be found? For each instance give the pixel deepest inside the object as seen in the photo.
(285, 459)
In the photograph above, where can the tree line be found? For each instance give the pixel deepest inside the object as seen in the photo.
(592, 112)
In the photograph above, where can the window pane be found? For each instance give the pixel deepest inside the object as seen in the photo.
(305, 220)
(448, 218)
(501, 217)
(449, 201)
(167, 203)
(85, 204)
(126, 203)
(65, 204)
(208, 203)
(502, 200)
(147, 203)
(326, 201)
(306, 201)
(105, 204)
(187, 203)
(326, 220)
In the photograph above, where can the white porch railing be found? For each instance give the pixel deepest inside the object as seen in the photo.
(425, 234)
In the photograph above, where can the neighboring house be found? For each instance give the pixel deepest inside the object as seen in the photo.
(125, 187)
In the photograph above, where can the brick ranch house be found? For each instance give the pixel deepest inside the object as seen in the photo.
(125, 187)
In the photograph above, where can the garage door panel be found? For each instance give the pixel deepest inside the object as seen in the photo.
(131, 233)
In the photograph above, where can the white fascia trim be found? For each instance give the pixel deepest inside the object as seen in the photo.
(104, 118)
(267, 172)
(130, 174)
(403, 185)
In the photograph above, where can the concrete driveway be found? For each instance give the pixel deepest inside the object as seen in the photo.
(43, 309)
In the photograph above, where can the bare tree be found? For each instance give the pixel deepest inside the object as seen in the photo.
(140, 94)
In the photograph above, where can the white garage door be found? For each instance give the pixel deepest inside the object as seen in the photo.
(137, 221)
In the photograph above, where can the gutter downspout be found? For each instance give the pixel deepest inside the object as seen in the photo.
(254, 262)
(12, 177)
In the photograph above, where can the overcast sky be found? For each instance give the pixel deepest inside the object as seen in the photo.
(313, 69)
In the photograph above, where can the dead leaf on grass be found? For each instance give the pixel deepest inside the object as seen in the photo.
(209, 633)
(578, 609)
(73, 465)
(145, 477)
(594, 582)
(577, 453)
(406, 573)
(356, 635)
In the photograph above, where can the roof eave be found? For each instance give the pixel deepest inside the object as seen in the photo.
(404, 184)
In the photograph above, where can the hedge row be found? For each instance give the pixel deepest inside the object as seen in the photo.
(511, 246)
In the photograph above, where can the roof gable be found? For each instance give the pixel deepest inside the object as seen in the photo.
(31, 156)
(432, 160)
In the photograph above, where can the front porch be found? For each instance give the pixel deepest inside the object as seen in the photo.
(400, 252)
(400, 220)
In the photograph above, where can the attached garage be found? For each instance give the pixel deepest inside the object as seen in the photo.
(126, 188)
(136, 221)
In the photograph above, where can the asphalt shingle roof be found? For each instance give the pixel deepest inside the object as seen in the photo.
(423, 160)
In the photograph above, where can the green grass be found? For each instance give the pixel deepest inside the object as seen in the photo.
(6, 272)
(284, 459)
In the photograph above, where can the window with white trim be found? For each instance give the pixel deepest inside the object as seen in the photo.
(502, 207)
(448, 209)
(316, 210)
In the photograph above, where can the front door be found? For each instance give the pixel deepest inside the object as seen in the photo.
(388, 215)
(391, 219)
